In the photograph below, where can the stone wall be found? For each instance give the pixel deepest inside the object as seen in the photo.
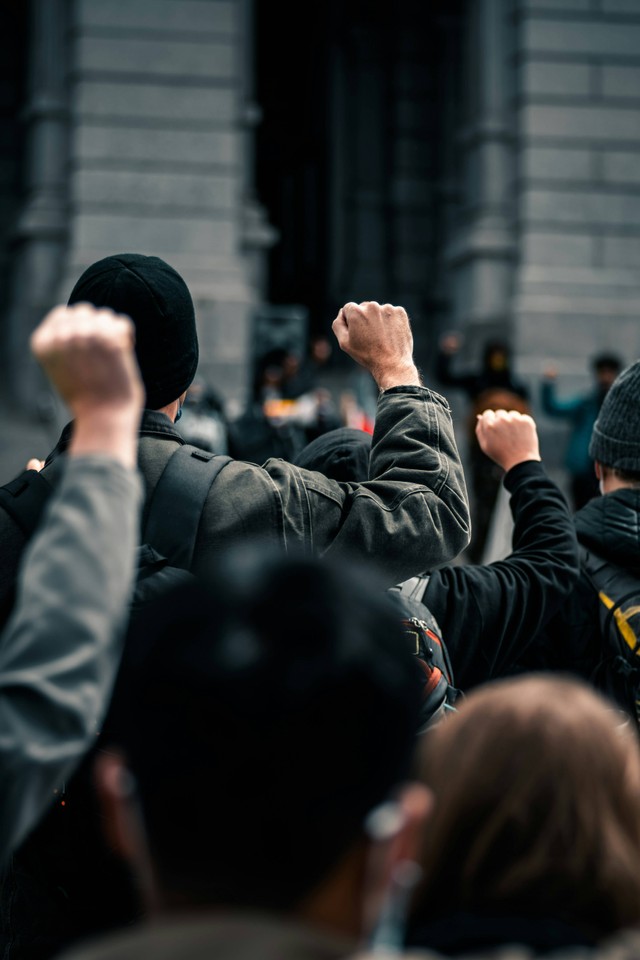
(578, 183)
(158, 98)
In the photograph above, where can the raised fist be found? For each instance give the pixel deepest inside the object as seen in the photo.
(507, 437)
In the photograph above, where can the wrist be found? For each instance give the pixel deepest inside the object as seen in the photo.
(108, 432)
(512, 462)
(404, 375)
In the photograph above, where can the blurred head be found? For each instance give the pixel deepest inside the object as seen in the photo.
(537, 809)
(341, 454)
(497, 356)
(158, 301)
(606, 368)
(269, 713)
(320, 350)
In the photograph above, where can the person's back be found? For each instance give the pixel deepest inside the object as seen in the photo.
(490, 613)
(415, 514)
(412, 513)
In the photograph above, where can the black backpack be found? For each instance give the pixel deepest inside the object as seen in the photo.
(439, 692)
(618, 671)
(173, 516)
(63, 883)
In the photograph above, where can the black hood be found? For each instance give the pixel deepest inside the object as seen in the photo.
(610, 526)
(341, 455)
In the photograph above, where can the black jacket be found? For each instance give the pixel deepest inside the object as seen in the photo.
(608, 526)
(490, 614)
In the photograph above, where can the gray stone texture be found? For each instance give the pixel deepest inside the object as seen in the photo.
(157, 154)
(577, 284)
(561, 79)
(218, 17)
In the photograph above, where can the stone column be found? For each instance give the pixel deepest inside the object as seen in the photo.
(41, 230)
(257, 233)
(578, 282)
(482, 251)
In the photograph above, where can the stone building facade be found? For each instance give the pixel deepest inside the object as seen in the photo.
(476, 160)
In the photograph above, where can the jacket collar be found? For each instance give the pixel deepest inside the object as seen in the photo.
(152, 424)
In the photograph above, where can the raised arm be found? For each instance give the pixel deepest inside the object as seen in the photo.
(412, 513)
(60, 650)
(489, 614)
(551, 405)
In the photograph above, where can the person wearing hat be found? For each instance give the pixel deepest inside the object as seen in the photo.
(608, 531)
(410, 515)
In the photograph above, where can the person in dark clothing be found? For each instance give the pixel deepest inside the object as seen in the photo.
(609, 528)
(582, 412)
(413, 512)
(488, 614)
(495, 372)
(534, 836)
(492, 387)
(259, 778)
(416, 473)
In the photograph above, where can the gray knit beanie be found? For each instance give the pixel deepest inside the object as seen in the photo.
(615, 439)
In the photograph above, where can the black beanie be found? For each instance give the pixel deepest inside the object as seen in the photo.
(615, 439)
(158, 301)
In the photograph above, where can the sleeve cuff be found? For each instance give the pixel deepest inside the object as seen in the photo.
(521, 471)
(423, 392)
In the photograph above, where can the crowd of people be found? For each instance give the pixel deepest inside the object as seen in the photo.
(217, 730)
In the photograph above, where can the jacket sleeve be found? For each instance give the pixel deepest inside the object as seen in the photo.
(60, 649)
(412, 513)
(489, 614)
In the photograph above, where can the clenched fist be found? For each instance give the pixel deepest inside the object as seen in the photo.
(507, 437)
(88, 355)
(379, 338)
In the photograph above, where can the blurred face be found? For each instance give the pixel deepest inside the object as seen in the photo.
(605, 377)
(321, 350)
(498, 360)
(291, 365)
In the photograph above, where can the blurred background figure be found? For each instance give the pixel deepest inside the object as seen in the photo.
(491, 387)
(581, 411)
(291, 404)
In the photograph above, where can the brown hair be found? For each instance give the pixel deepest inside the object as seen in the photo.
(537, 813)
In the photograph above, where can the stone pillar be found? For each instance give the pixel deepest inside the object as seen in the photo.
(578, 279)
(481, 252)
(257, 234)
(41, 230)
(160, 158)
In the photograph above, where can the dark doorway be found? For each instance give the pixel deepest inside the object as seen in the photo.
(354, 153)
